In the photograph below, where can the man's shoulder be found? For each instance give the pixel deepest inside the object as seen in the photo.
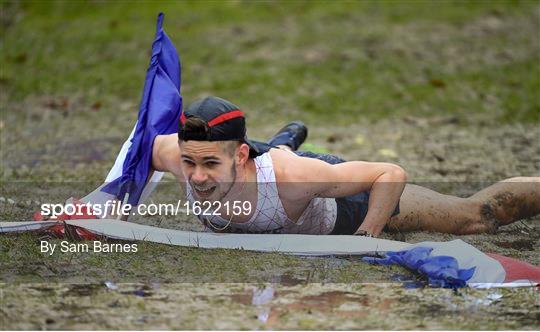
(168, 153)
(285, 164)
(298, 178)
(291, 167)
(281, 156)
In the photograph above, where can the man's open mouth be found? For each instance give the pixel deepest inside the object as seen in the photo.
(204, 192)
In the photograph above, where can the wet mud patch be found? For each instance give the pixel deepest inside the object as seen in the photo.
(43, 289)
(81, 152)
(274, 306)
(409, 281)
(83, 289)
(288, 279)
(328, 301)
(270, 306)
(517, 244)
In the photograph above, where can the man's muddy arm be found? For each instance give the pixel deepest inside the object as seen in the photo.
(385, 183)
(315, 178)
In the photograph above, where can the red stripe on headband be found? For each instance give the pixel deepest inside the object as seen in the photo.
(182, 118)
(225, 117)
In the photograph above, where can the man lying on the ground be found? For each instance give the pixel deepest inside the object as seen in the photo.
(302, 192)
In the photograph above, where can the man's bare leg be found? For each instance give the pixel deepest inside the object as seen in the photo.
(502, 203)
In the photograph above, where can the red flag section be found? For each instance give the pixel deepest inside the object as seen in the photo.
(516, 269)
(60, 229)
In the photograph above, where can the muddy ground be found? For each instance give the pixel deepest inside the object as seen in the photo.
(449, 92)
(241, 306)
(183, 285)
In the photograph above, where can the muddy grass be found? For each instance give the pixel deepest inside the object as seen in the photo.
(187, 288)
(247, 306)
(448, 92)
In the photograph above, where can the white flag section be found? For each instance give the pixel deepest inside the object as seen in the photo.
(318, 245)
(488, 271)
(98, 197)
(116, 170)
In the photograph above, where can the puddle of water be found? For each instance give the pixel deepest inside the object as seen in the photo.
(111, 285)
(140, 292)
(471, 301)
(488, 299)
(260, 298)
(262, 295)
(414, 284)
(408, 281)
(338, 303)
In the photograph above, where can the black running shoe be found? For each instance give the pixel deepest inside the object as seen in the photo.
(292, 135)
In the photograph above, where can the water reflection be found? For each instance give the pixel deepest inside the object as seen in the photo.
(261, 297)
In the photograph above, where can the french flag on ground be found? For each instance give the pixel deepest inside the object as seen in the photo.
(130, 179)
(445, 264)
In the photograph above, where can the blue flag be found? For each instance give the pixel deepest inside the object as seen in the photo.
(441, 271)
(159, 113)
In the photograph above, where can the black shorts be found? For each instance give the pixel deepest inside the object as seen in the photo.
(351, 210)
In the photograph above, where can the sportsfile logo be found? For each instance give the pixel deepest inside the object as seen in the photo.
(85, 209)
(116, 208)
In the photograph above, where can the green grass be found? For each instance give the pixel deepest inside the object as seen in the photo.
(71, 72)
(323, 61)
(464, 74)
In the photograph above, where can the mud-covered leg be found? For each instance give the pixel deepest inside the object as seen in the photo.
(422, 209)
(509, 200)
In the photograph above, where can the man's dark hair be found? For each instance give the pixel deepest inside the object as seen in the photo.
(199, 129)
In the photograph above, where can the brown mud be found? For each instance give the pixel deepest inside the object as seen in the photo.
(448, 157)
(269, 307)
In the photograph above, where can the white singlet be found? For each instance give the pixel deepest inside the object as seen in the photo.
(319, 217)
